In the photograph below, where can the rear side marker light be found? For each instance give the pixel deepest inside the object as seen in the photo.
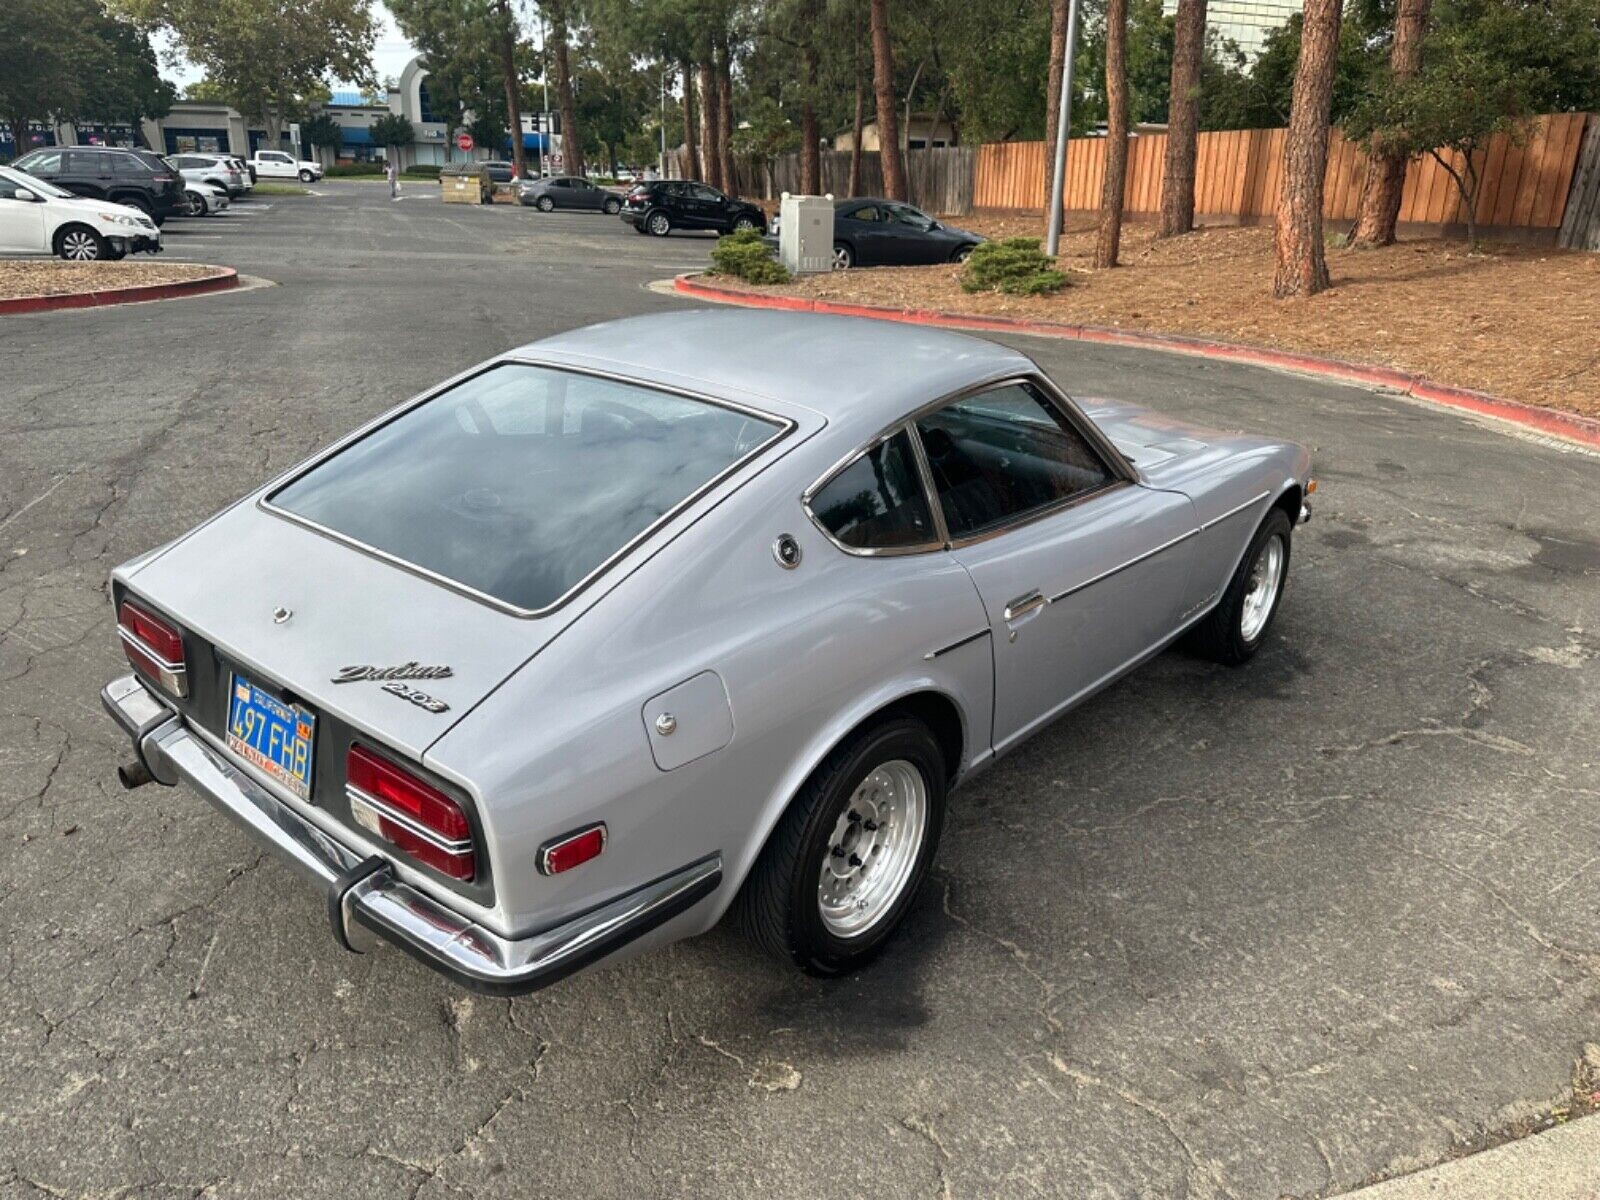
(571, 850)
(153, 647)
(413, 816)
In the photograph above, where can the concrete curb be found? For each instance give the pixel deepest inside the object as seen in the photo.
(1583, 430)
(1560, 1164)
(226, 278)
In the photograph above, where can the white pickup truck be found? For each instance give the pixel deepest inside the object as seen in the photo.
(275, 164)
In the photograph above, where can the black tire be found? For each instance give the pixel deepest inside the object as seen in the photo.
(197, 205)
(657, 223)
(778, 907)
(612, 207)
(545, 204)
(743, 221)
(961, 255)
(843, 257)
(79, 243)
(306, 176)
(1220, 636)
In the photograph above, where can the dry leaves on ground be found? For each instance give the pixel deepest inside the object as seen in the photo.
(50, 277)
(1517, 321)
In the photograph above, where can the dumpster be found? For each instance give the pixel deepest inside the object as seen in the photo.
(465, 183)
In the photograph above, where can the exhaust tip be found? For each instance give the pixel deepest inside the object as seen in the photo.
(133, 775)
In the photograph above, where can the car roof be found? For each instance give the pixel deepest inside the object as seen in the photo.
(861, 375)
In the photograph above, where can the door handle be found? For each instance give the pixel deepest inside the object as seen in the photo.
(1023, 605)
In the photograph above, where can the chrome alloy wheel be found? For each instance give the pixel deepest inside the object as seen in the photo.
(1261, 593)
(660, 225)
(873, 849)
(80, 246)
(841, 258)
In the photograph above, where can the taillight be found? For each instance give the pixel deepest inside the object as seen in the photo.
(572, 850)
(154, 647)
(411, 815)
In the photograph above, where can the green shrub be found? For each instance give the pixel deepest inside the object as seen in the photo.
(745, 256)
(421, 171)
(1016, 266)
(352, 170)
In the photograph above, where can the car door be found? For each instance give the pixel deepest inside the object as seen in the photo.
(86, 173)
(863, 228)
(1082, 570)
(706, 206)
(911, 239)
(274, 165)
(586, 196)
(21, 221)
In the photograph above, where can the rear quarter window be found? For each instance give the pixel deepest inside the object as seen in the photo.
(522, 482)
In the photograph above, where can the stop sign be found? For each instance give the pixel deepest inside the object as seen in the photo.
(463, 141)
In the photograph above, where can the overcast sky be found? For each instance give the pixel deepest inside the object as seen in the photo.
(390, 53)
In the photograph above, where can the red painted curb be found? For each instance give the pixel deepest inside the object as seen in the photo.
(228, 278)
(1571, 426)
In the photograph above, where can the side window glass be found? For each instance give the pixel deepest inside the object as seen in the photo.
(127, 164)
(1000, 454)
(877, 502)
(868, 213)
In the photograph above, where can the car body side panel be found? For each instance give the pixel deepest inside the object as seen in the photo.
(805, 654)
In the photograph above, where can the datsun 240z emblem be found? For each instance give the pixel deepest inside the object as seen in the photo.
(394, 681)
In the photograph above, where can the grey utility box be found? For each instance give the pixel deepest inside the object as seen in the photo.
(805, 233)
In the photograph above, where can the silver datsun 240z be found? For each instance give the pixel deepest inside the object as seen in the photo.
(642, 623)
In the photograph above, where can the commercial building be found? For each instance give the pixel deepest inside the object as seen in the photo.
(1246, 22)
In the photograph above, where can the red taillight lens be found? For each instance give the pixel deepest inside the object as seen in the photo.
(414, 816)
(154, 647)
(572, 850)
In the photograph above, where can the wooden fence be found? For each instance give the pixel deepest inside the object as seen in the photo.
(939, 180)
(1237, 175)
(1580, 228)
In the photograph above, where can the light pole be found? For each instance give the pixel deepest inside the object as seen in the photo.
(1058, 174)
(663, 171)
(544, 74)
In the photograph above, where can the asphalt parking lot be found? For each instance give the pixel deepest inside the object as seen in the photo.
(1257, 933)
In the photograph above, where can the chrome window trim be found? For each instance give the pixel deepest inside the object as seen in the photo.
(786, 426)
(410, 824)
(806, 497)
(1111, 458)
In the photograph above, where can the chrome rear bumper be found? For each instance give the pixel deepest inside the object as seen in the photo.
(365, 899)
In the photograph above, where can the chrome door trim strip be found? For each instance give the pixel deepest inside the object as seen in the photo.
(1117, 570)
(1236, 510)
(956, 645)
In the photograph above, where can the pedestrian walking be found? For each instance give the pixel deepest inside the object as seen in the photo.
(394, 178)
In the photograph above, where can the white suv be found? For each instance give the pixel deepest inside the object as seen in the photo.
(275, 164)
(39, 218)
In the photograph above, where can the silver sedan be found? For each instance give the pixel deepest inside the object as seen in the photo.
(661, 619)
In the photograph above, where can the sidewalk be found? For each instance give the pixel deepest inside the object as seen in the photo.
(1560, 1164)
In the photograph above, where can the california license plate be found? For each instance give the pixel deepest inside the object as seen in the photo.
(273, 737)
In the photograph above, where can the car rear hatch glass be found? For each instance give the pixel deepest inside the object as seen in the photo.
(521, 483)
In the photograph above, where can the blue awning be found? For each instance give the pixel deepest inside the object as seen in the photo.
(535, 141)
(354, 135)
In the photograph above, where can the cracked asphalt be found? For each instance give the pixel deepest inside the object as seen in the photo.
(1257, 933)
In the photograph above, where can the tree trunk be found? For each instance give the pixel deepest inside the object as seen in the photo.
(810, 136)
(1386, 169)
(508, 71)
(710, 120)
(724, 65)
(1105, 254)
(1302, 264)
(691, 133)
(571, 145)
(894, 176)
(861, 91)
(1183, 119)
(1052, 96)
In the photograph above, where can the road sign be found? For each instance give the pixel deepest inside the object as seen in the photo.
(554, 160)
(463, 141)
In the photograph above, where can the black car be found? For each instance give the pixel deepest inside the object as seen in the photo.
(668, 204)
(868, 232)
(135, 177)
(568, 191)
